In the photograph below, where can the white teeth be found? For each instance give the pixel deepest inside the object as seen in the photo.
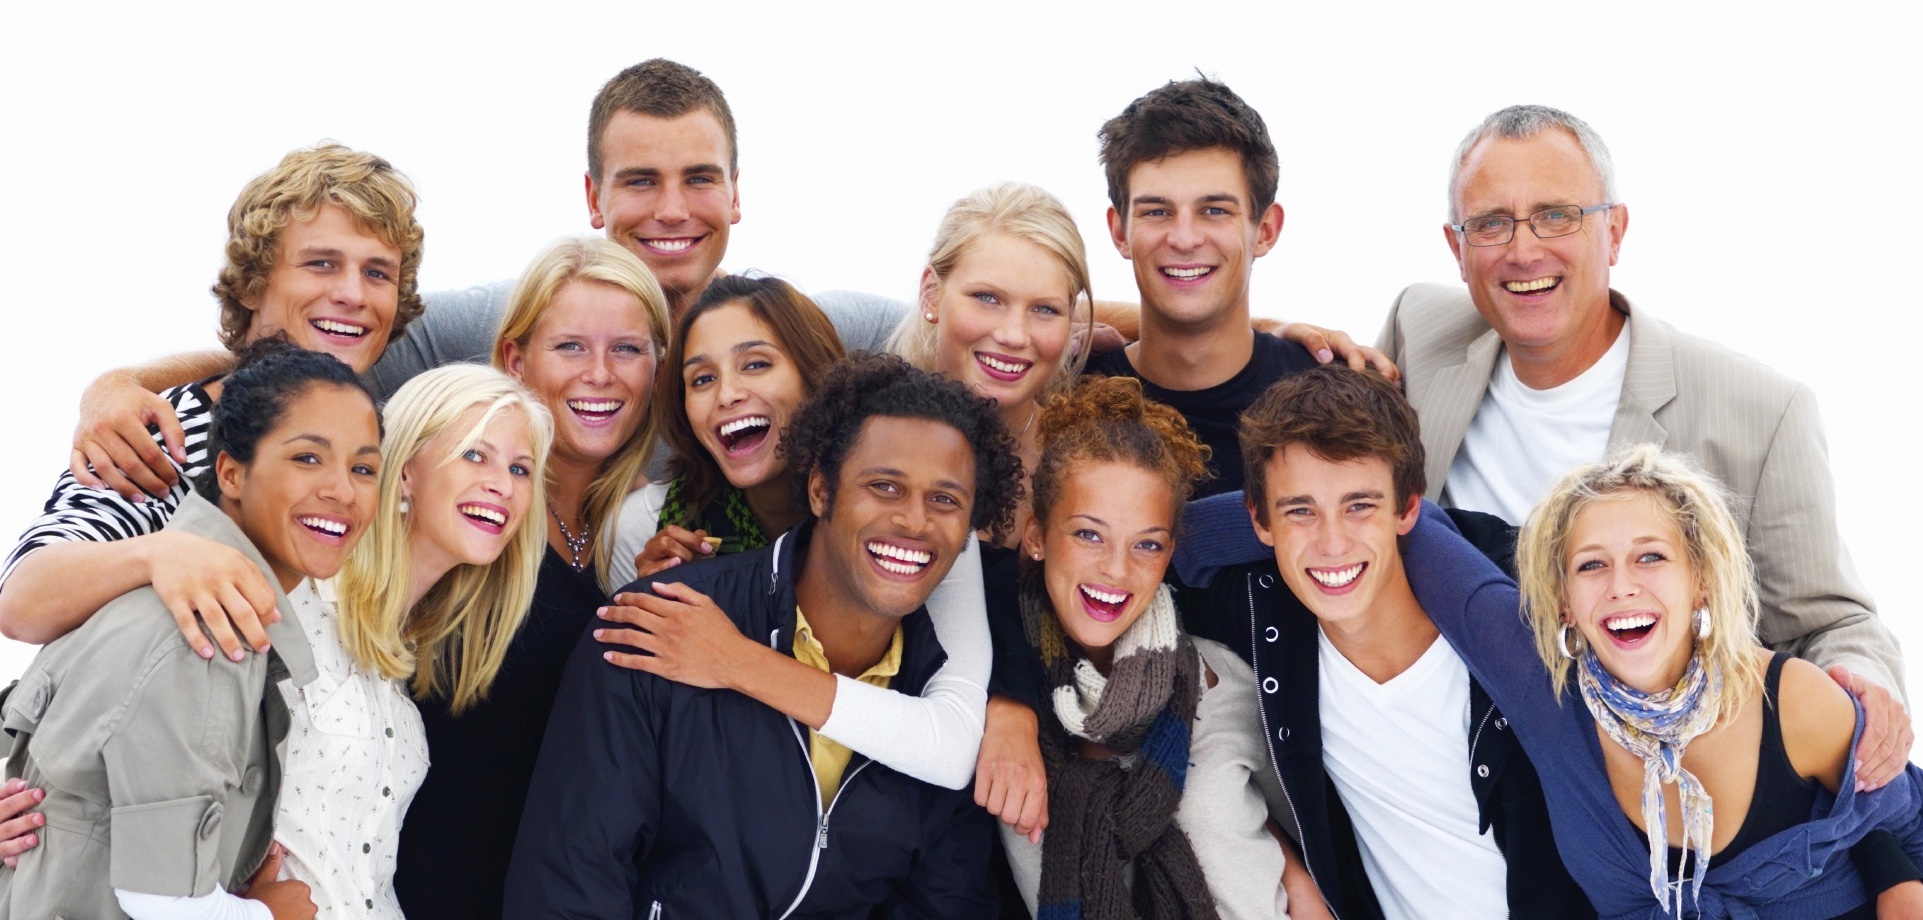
(899, 560)
(1186, 273)
(1337, 578)
(1006, 367)
(339, 328)
(669, 245)
(1621, 624)
(484, 513)
(1104, 596)
(320, 523)
(595, 405)
(1524, 287)
(742, 424)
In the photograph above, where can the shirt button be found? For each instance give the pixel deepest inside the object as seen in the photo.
(1269, 685)
(1271, 634)
(1501, 723)
(367, 848)
(1282, 734)
(1266, 581)
(370, 903)
(390, 731)
(1482, 770)
(386, 791)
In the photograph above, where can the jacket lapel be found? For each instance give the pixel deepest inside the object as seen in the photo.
(1453, 396)
(1649, 383)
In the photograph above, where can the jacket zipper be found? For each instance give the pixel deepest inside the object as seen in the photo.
(654, 913)
(1477, 737)
(821, 814)
(1302, 840)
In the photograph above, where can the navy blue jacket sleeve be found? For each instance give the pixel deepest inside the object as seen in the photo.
(595, 797)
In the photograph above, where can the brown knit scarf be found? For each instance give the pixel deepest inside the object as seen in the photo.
(1105, 816)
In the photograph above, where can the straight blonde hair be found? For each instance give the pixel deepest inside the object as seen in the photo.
(453, 641)
(1711, 539)
(1027, 213)
(585, 260)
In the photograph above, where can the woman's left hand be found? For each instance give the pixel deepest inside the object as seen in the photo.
(1010, 780)
(689, 640)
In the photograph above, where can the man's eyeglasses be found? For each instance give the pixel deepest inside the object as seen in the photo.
(1546, 224)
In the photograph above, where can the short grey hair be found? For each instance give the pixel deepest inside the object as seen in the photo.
(1523, 121)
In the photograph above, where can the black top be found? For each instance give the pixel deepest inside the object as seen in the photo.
(1216, 412)
(459, 832)
(1784, 799)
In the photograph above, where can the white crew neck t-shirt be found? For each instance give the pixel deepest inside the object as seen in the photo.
(1522, 441)
(1398, 753)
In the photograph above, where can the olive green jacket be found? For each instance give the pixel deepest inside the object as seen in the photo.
(161, 768)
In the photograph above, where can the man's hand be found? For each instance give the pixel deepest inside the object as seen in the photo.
(112, 439)
(288, 900)
(691, 640)
(1884, 748)
(1010, 780)
(207, 583)
(1329, 344)
(17, 832)
(670, 546)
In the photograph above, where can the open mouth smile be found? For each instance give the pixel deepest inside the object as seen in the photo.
(1187, 274)
(899, 560)
(1535, 286)
(1002, 367)
(1102, 605)
(595, 410)
(327, 529)
(488, 517)
(338, 328)
(673, 245)
(743, 435)
(1630, 629)
(1337, 580)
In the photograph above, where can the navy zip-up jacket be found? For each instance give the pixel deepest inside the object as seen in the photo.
(655, 799)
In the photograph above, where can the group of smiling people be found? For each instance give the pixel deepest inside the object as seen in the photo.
(674, 604)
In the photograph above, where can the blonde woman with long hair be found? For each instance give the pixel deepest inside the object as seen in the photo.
(584, 329)
(1698, 773)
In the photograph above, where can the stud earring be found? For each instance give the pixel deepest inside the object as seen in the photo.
(1562, 640)
(404, 506)
(1702, 622)
(928, 315)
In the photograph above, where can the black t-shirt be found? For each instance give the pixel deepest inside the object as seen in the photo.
(1216, 412)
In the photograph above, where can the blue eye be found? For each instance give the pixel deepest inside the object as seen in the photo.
(519, 469)
(473, 455)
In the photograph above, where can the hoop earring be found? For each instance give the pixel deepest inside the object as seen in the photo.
(1702, 623)
(1562, 642)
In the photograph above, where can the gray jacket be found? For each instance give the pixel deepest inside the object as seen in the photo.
(161, 768)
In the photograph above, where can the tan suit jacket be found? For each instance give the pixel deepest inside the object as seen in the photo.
(1749, 426)
(161, 768)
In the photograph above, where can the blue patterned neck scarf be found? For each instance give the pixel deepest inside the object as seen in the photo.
(1657, 727)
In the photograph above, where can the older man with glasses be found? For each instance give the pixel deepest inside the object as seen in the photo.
(1539, 367)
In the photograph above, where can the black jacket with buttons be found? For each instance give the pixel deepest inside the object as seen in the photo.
(1251, 610)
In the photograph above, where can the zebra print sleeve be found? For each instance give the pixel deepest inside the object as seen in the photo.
(75, 512)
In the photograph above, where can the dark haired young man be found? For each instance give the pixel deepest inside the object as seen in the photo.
(659, 799)
(1395, 763)
(1191, 188)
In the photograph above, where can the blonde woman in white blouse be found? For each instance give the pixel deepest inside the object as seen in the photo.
(432, 595)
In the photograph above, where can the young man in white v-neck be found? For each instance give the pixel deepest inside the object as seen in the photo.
(1393, 761)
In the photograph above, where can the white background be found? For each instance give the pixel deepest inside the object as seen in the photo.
(1768, 159)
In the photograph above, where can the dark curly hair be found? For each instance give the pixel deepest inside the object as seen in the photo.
(272, 372)
(824, 429)
(1109, 419)
(1185, 115)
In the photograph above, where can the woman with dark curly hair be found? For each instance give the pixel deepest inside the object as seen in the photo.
(1151, 739)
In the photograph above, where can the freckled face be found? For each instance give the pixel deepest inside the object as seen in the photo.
(1105, 546)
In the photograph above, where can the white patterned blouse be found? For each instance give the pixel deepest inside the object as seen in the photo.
(356, 753)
